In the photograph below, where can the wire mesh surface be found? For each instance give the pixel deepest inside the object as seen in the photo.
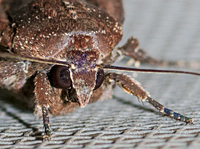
(167, 30)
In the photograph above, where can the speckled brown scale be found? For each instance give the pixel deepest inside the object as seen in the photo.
(38, 33)
(54, 55)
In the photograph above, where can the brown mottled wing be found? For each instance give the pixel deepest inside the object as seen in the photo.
(13, 74)
(16, 80)
(44, 28)
(112, 7)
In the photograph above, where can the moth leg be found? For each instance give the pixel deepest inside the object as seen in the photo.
(133, 87)
(49, 101)
(45, 97)
(131, 49)
(45, 115)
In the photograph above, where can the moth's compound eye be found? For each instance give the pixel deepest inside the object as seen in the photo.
(100, 78)
(60, 77)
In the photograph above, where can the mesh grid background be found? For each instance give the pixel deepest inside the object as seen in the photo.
(167, 30)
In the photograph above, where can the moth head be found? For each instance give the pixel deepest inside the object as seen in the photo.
(82, 75)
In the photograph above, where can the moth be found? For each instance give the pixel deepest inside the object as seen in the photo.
(56, 55)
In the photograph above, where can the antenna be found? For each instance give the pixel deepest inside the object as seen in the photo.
(109, 67)
(149, 70)
(32, 59)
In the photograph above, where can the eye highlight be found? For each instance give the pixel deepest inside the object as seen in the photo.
(99, 79)
(60, 77)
